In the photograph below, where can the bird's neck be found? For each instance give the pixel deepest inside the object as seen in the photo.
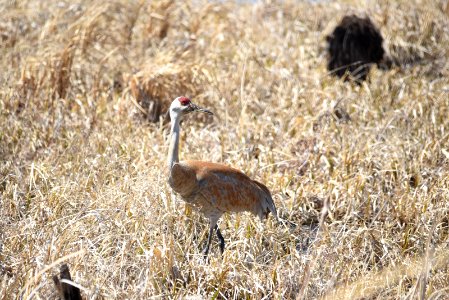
(174, 143)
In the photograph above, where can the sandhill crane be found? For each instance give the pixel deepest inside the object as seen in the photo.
(212, 188)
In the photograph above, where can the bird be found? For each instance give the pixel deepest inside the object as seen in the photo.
(211, 188)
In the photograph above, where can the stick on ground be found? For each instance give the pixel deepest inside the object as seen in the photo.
(66, 290)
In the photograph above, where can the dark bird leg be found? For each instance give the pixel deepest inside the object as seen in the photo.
(209, 239)
(213, 226)
(220, 237)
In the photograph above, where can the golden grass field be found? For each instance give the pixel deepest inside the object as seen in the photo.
(359, 174)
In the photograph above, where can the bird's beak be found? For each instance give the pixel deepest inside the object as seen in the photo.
(195, 107)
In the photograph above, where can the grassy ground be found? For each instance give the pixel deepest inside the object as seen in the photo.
(82, 170)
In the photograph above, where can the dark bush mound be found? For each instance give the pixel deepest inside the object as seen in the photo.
(353, 47)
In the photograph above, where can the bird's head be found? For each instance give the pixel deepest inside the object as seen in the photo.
(183, 106)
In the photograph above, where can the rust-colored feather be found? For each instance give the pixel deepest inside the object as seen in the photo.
(183, 179)
(215, 189)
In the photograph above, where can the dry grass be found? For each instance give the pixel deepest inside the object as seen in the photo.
(83, 179)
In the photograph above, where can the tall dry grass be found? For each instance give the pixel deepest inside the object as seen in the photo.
(82, 171)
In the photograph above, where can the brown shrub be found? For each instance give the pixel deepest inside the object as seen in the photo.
(157, 84)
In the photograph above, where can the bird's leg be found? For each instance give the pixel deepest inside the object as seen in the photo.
(209, 240)
(220, 237)
(213, 225)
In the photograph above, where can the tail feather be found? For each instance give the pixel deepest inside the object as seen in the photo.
(267, 203)
(272, 208)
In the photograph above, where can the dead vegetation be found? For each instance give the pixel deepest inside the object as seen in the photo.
(82, 173)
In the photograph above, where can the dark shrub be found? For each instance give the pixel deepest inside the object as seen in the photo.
(353, 47)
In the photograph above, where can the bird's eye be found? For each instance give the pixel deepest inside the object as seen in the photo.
(184, 101)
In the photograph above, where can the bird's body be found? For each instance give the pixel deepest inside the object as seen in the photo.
(210, 187)
(215, 189)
